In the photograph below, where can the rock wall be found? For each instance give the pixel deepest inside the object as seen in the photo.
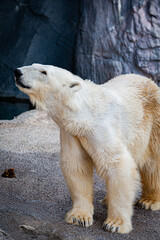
(35, 31)
(117, 37)
(95, 39)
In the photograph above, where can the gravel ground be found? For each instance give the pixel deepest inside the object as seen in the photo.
(38, 197)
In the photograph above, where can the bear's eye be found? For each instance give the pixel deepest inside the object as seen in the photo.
(44, 72)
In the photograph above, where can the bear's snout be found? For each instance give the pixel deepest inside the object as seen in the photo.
(19, 81)
(17, 73)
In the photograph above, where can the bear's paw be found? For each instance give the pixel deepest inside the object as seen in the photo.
(149, 204)
(117, 225)
(79, 217)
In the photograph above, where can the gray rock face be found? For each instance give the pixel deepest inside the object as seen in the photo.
(118, 37)
(95, 39)
(35, 31)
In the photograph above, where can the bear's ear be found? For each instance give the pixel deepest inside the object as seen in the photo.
(75, 86)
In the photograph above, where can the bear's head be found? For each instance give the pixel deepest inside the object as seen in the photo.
(47, 84)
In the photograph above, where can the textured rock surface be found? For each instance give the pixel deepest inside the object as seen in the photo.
(118, 37)
(114, 37)
(35, 31)
(96, 39)
(38, 197)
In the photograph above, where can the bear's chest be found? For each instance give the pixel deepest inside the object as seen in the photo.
(98, 146)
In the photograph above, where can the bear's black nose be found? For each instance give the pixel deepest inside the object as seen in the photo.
(18, 73)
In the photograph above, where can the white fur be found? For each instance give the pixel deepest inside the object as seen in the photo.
(111, 127)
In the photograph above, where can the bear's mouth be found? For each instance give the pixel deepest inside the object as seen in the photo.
(19, 78)
(20, 84)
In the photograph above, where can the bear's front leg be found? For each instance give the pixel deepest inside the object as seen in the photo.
(121, 181)
(77, 169)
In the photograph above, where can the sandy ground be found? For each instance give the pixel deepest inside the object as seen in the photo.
(38, 197)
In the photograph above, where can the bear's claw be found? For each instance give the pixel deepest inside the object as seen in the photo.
(116, 226)
(109, 228)
(77, 217)
(149, 204)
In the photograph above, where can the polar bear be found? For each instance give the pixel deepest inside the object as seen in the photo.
(113, 127)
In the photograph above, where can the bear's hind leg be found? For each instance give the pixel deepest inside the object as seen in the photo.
(150, 175)
(77, 169)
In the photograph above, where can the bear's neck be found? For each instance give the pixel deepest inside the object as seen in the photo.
(78, 116)
(72, 122)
